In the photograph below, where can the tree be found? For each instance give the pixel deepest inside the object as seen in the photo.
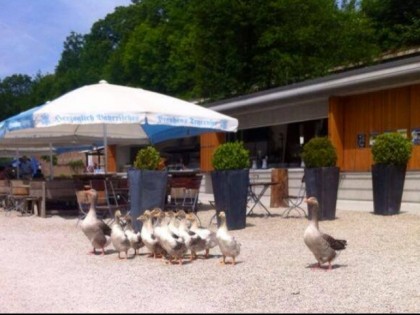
(69, 71)
(397, 22)
(15, 92)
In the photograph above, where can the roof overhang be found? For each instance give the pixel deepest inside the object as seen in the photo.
(373, 78)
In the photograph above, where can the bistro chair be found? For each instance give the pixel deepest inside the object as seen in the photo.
(295, 201)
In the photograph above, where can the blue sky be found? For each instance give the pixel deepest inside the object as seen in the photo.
(32, 32)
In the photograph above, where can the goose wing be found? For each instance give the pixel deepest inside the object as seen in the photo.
(334, 243)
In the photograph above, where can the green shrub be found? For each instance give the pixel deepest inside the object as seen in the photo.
(76, 165)
(231, 156)
(46, 158)
(319, 152)
(391, 149)
(147, 158)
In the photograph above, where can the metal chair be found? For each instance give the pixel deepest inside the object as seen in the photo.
(184, 192)
(19, 195)
(295, 201)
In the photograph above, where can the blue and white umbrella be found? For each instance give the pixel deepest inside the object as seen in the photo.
(103, 114)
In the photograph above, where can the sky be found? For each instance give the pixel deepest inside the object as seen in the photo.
(32, 32)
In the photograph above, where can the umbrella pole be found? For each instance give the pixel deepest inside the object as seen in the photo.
(17, 164)
(106, 148)
(51, 163)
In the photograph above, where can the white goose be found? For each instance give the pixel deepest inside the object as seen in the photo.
(173, 244)
(96, 230)
(118, 237)
(228, 245)
(135, 238)
(148, 236)
(192, 240)
(323, 246)
(209, 237)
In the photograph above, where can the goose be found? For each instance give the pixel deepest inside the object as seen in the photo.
(209, 237)
(96, 230)
(173, 244)
(172, 221)
(148, 236)
(118, 236)
(324, 247)
(228, 245)
(192, 240)
(134, 238)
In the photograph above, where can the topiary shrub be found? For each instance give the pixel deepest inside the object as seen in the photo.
(319, 152)
(231, 156)
(391, 149)
(147, 158)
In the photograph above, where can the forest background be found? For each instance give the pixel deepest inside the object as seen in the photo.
(210, 50)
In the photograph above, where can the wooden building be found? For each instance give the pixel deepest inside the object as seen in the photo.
(350, 107)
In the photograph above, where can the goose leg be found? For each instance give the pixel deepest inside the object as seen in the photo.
(233, 260)
(223, 260)
(207, 253)
(316, 266)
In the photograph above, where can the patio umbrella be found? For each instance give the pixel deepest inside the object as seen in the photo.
(103, 114)
(13, 147)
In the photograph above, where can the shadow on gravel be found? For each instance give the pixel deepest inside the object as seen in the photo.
(325, 267)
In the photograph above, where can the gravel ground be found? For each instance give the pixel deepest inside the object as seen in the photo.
(45, 268)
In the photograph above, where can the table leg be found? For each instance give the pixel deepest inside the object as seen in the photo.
(257, 199)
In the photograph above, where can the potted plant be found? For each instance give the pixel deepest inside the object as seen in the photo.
(321, 175)
(147, 183)
(230, 180)
(76, 166)
(390, 152)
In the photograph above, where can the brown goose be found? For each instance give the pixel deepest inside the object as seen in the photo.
(323, 246)
(96, 230)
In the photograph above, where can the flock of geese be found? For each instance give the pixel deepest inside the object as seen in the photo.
(169, 235)
(172, 235)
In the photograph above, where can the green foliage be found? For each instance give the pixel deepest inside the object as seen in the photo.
(147, 159)
(47, 159)
(396, 22)
(76, 165)
(213, 50)
(391, 149)
(231, 156)
(15, 93)
(319, 152)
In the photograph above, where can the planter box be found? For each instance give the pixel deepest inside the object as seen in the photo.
(230, 189)
(147, 190)
(322, 183)
(388, 187)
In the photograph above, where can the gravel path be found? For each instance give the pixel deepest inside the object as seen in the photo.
(45, 268)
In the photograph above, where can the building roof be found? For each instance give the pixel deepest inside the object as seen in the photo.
(391, 74)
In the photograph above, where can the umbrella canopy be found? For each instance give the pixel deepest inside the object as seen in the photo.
(122, 115)
(102, 114)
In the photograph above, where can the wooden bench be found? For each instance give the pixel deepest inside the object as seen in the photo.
(52, 190)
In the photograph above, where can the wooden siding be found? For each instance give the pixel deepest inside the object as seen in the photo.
(112, 158)
(376, 112)
(208, 143)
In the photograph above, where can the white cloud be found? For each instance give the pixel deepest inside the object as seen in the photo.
(32, 32)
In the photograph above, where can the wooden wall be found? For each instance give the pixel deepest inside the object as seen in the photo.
(208, 143)
(381, 111)
(112, 158)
